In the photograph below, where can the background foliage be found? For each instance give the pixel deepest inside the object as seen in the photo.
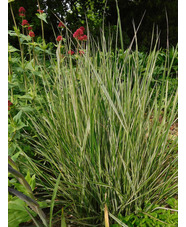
(74, 13)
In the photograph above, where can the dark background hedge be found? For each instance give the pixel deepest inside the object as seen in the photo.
(75, 11)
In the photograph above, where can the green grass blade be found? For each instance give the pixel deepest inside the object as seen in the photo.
(63, 222)
(53, 199)
(117, 220)
(32, 217)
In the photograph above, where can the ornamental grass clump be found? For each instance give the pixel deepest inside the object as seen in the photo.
(99, 126)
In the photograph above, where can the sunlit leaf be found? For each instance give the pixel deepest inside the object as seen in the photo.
(12, 49)
(10, 1)
(42, 16)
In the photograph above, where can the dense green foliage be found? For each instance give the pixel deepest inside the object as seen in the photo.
(160, 216)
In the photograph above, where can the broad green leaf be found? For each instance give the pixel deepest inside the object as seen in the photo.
(29, 65)
(32, 43)
(15, 156)
(30, 180)
(29, 97)
(12, 85)
(12, 33)
(17, 213)
(10, 129)
(31, 203)
(42, 16)
(43, 204)
(17, 117)
(19, 125)
(11, 148)
(12, 49)
(25, 38)
(26, 108)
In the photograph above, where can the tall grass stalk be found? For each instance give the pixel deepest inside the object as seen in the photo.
(99, 127)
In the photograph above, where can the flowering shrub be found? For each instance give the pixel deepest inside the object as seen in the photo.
(25, 22)
(59, 38)
(78, 34)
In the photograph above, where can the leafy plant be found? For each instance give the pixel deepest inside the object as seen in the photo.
(30, 200)
(159, 216)
(17, 213)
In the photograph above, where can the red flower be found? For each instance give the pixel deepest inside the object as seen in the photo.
(71, 52)
(21, 14)
(29, 28)
(31, 34)
(78, 33)
(22, 10)
(81, 52)
(80, 37)
(40, 11)
(82, 28)
(59, 38)
(25, 22)
(61, 25)
(9, 104)
(83, 38)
